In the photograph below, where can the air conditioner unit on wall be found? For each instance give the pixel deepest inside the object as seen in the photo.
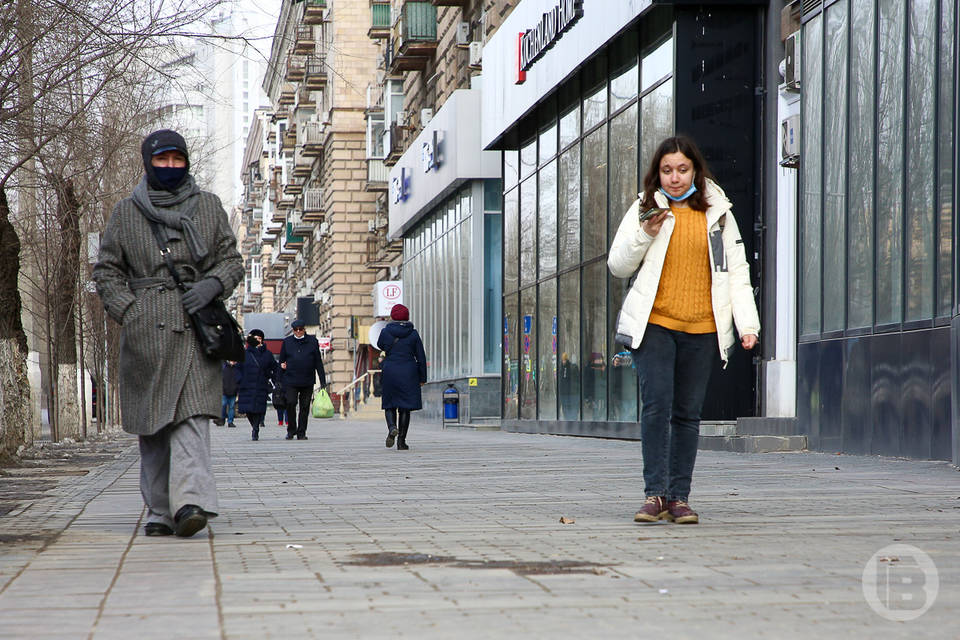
(476, 53)
(791, 59)
(426, 115)
(401, 118)
(463, 34)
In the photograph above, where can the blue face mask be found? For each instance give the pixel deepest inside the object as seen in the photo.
(689, 192)
(169, 177)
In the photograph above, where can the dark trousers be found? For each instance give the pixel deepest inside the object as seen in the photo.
(256, 421)
(674, 369)
(298, 398)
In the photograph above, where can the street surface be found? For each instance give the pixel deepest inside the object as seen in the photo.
(461, 537)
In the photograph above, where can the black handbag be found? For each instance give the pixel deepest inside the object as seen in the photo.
(217, 331)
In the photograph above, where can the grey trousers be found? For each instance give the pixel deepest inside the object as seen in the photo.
(176, 470)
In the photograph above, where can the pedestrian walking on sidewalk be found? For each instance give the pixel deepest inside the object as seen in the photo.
(693, 286)
(404, 371)
(300, 360)
(168, 387)
(279, 398)
(258, 372)
(231, 378)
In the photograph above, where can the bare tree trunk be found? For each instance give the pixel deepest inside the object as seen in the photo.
(63, 298)
(15, 408)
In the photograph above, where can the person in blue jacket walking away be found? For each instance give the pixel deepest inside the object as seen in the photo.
(300, 360)
(259, 369)
(404, 371)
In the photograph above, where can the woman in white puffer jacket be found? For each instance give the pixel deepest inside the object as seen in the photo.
(678, 316)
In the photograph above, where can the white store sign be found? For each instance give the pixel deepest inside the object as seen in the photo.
(385, 295)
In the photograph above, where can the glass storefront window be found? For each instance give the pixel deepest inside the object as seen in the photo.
(568, 212)
(528, 159)
(594, 340)
(568, 344)
(656, 122)
(547, 349)
(594, 187)
(656, 65)
(511, 168)
(511, 240)
(890, 139)
(528, 353)
(548, 133)
(510, 372)
(547, 220)
(528, 232)
(834, 166)
(595, 107)
(623, 166)
(860, 159)
(569, 126)
(492, 301)
(623, 87)
(921, 153)
(810, 179)
(945, 180)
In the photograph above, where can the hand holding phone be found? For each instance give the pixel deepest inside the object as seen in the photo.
(649, 213)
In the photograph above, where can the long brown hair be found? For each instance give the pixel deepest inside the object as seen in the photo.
(686, 146)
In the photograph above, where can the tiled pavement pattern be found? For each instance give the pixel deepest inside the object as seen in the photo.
(338, 537)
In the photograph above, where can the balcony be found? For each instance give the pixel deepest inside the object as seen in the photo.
(313, 11)
(311, 139)
(293, 241)
(289, 138)
(316, 72)
(414, 36)
(380, 23)
(304, 43)
(378, 175)
(288, 94)
(296, 68)
(294, 187)
(398, 138)
(380, 251)
(313, 208)
(299, 226)
(302, 165)
(305, 99)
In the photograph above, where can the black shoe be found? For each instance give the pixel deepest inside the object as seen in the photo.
(157, 529)
(289, 436)
(189, 520)
(301, 437)
(231, 425)
(219, 422)
(391, 437)
(402, 445)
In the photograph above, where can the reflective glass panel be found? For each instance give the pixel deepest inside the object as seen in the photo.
(568, 344)
(547, 352)
(547, 219)
(594, 187)
(510, 374)
(810, 217)
(528, 232)
(594, 341)
(568, 212)
(656, 64)
(528, 354)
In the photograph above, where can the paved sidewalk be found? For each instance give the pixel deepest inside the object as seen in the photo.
(338, 537)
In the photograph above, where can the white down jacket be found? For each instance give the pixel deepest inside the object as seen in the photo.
(731, 292)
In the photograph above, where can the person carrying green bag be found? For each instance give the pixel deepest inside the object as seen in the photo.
(300, 360)
(322, 405)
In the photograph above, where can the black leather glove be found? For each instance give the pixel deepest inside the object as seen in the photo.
(201, 293)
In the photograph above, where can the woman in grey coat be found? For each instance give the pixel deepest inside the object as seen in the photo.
(169, 390)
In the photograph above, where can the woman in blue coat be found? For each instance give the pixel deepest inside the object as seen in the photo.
(258, 370)
(404, 372)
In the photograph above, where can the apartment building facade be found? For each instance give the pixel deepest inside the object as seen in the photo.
(310, 193)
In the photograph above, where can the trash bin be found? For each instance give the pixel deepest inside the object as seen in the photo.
(451, 404)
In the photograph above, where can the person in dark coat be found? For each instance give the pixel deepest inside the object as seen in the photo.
(168, 387)
(300, 360)
(279, 398)
(259, 369)
(404, 371)
(231, 378)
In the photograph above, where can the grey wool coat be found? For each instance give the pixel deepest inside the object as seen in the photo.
(164, 377)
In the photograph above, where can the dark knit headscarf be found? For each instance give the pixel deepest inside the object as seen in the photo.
(171, 206)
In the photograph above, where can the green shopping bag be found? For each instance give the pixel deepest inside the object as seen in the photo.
(322, 406)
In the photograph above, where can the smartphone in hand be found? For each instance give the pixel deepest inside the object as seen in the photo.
(649, 213)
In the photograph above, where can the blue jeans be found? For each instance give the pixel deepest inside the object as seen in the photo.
(227, 404)
(674, 369)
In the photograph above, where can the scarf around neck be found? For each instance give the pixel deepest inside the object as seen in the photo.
(159, 206)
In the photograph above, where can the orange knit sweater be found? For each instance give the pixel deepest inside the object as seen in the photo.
(683, 301)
